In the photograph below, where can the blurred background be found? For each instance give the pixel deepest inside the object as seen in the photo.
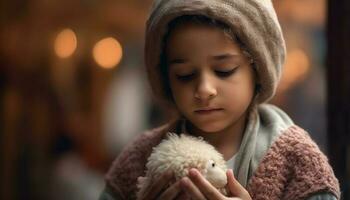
(73, 88)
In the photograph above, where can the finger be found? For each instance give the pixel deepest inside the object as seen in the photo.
(191, 190)
(182, 196)
(235, 187)
(158, 185)
(171, 192)
(204, 186)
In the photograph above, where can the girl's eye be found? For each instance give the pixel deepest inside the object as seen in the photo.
(226, 73)
(187, 77)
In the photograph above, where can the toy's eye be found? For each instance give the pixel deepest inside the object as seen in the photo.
(213, 164)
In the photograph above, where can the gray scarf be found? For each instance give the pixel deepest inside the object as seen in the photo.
(264, 125)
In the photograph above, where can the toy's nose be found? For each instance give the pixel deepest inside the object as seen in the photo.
(217, 177)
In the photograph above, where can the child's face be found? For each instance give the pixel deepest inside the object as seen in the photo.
(207, 70)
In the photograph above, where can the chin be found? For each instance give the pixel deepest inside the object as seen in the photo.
(211, 127)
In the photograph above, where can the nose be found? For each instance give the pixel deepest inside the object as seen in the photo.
(205, 89)
(216, 176)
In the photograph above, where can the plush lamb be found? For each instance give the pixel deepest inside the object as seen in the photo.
(180, 154)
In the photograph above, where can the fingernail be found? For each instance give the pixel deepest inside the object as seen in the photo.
(231, 172)
(184, 182)
(193, 172)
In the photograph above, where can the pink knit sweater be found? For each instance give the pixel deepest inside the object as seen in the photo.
(293, 168)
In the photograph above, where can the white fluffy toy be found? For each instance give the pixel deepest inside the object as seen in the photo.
(180, 154)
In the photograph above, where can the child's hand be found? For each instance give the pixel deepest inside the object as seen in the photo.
(159, 188)
(197, 187)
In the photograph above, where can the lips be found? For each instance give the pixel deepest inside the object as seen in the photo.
(208, 110)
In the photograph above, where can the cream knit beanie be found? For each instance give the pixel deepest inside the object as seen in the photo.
(254, 22)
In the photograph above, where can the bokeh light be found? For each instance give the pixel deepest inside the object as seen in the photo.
(107, 52)
(65, 43)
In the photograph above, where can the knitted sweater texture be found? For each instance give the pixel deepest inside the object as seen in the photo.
(293, 167)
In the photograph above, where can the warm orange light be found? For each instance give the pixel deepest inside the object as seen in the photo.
(107, 52)
(295, 69)
(65, 43)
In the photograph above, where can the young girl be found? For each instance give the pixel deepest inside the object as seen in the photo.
(216, 62)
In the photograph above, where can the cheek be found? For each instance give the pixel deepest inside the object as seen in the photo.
(240, 91)
(180, 92)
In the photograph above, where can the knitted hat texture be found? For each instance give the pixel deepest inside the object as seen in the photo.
(254, 22)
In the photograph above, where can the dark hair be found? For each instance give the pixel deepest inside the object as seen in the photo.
(194, 19)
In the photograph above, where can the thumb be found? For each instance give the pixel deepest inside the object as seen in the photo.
(235, 188)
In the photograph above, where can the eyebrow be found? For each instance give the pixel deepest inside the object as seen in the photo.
(215, 57)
